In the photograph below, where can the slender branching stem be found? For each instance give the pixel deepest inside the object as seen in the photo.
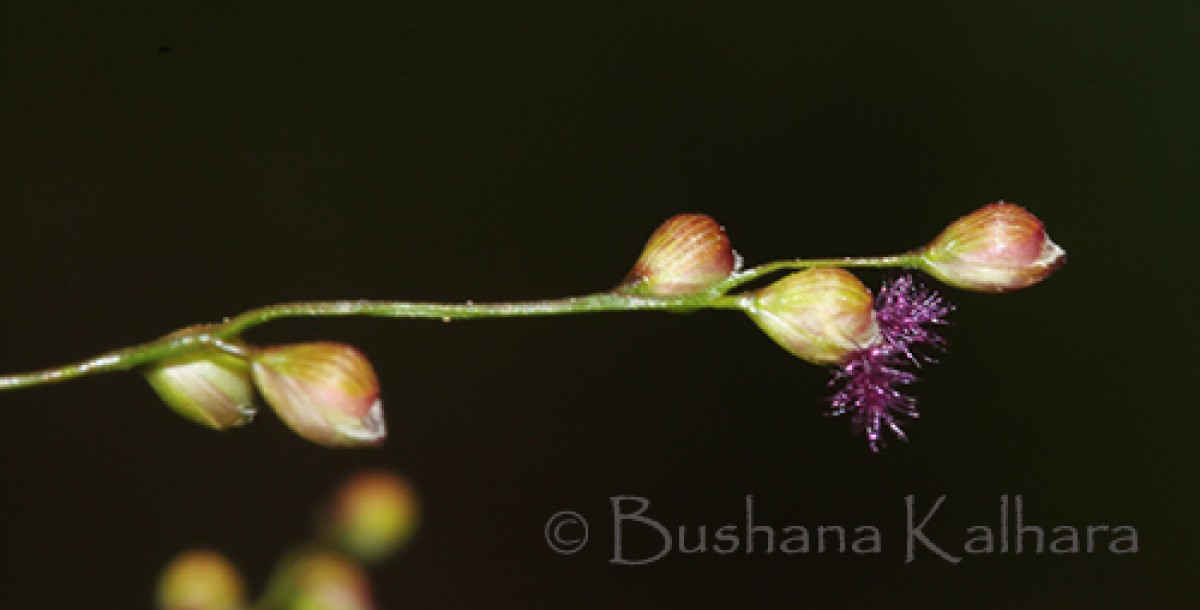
(878, 262)
(594, 303)
(224, 336)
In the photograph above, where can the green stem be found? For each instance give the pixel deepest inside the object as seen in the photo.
(217, 335)
(118, 360)
(907, 260)
(594, 303)
(221, 335)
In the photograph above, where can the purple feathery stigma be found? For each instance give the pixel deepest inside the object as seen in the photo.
(906, 313)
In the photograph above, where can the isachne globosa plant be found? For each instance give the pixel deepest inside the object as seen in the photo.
(818, 311)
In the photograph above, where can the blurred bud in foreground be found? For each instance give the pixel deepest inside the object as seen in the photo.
(325, 392)
(687, 254)
(372, 515)
(997, 248)
(821, 315)
(200, 580)
(207, 386)
(324, 581)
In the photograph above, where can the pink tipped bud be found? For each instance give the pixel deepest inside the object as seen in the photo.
(373, 514)
(687, 254)
(997, 248)
(324, 580)
(200, 580)
(325, 392)
(207, 386)
(820, 315)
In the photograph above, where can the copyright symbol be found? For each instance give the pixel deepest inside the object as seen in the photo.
(566, 532)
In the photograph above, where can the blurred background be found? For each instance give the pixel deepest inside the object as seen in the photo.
(164, 166)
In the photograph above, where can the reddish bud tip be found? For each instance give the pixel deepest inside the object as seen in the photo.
(207, 386)
(820, 315)
(325, 392)
(373, 514)
(200, 580)
(997, 248)
(687, 254)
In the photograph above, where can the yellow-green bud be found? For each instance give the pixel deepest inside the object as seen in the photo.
(325, 392)
(687, 254)
(325, 581)
(200, 580)
(820, 315)
(997, 248)
(372, 514)
(207, 386)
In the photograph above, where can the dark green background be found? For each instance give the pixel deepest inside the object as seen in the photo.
(165, 166)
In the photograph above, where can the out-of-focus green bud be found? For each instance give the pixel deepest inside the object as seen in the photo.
(325, 392)
(325, 581)
(200, 580)
(372, 515)
(997, 248)
(687, 254)
(820, 315)
(207, 386)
